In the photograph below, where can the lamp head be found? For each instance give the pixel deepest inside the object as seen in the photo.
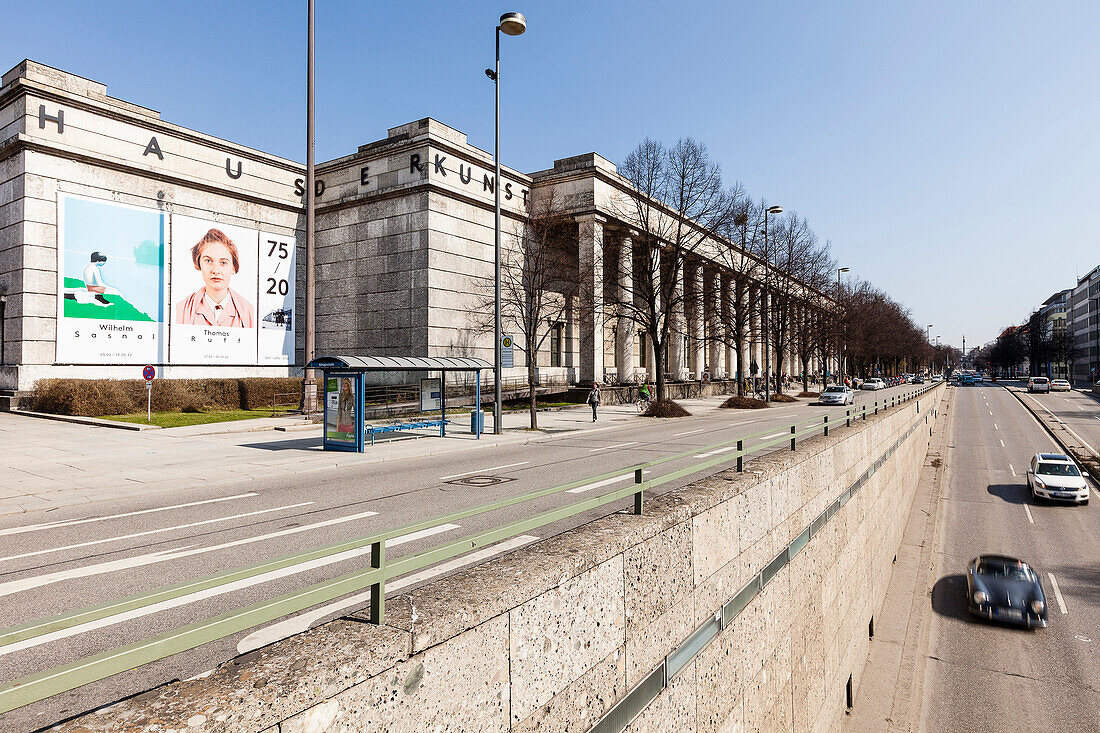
(491, 74)
(775, 209)
(513, 24)
(843, 269)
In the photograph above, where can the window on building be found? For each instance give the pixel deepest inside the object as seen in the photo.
(555, 344)
(642, 350)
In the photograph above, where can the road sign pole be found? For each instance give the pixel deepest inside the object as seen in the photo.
(149, 400)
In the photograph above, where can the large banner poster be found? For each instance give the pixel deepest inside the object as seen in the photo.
(277, 265)
(213, 292)
(111, 286)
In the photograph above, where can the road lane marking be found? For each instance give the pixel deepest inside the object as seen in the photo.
(301, 623)
(692, 432)
(991, 413)
(718, 451)
(154, 531)
(609, 447)
(775, 435)
(1057, 594)
(1030, 518)
(70, 522)
(601, 484)
(215, 591)
(483, 470)
(1002, 444)
(16, 586)
(995, 426)
(1010, 468)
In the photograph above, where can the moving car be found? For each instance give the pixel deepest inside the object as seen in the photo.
(836, 394)
(967, 379)
(1059, 385)
(1038, 384)
(1003, 588)
(1055, 476)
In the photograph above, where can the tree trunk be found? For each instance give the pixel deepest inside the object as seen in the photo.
(658, 367)
(531, 379)
(805, 374)
(777, 367)
(739, 375)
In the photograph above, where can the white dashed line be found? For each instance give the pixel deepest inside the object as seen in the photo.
(774, 435)
(609, 447)
(484, 470)
(1010, 468)
(1002, 444)
(1057, 594)
(1029, 517)
(991, 413)
(995, 426)
(601, 484)
(693, 432)
(708, 454)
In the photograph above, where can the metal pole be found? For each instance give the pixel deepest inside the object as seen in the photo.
(839, 332)
(309, 396)
(497, 408)
(767, 305)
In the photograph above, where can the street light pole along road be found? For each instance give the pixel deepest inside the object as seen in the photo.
(840, 339)
(512, 24)
(767, 306)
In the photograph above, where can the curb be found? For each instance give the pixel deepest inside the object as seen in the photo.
(92, 421)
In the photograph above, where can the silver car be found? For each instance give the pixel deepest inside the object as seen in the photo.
(836, 394)
(1056, 476)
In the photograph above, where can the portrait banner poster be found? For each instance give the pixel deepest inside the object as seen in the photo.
(111, 294)
(213, 292)
(275, 306)
(340, 408)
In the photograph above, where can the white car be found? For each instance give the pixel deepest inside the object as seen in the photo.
(1038, 384)
(1059, 385)
(1055, 476)
(836, 394)
(873, 384)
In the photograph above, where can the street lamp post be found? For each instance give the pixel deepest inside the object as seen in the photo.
(309, 383)
(840, 339)
(929, 343)
(511, 24)
(767, 305)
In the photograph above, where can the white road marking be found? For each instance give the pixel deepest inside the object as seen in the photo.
(16, 586)
(609, 447)
(775, 435)
(995, 426)
(1030, 518)
(211, 592)
(991, 413)
(483, 470)
(1057, 594)
(154, 531)
(601, 484)
(70, 522)
(303, 622)
(1010, 468)
(1002, 444)
(708, 454)
(692, 432)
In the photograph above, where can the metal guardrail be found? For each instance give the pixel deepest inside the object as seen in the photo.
(41, 685)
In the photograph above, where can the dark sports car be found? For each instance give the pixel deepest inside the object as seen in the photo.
(1002, 588)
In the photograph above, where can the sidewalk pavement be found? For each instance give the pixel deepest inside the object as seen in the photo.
(47, 464)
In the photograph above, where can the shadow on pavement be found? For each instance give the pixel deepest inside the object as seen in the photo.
(1012, 493)
(1087, 576)
(311, 444)
(949, 597)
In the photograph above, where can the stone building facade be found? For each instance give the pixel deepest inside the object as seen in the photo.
(404, 243)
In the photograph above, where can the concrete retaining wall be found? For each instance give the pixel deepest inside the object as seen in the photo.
(551, 637)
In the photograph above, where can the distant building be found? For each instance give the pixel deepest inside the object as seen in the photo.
(1053, 334)
(1084, 328)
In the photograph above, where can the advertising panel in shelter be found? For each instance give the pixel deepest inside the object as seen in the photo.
(340, 420)
(213, 292)
(111, 283)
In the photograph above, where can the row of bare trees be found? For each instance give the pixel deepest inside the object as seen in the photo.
(879, 336)
(777, 274)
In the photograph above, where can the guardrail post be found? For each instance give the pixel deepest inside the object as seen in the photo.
(918, 407)
(876, 407)
(792, 436)
(740, 456)
(848, 417)
(865, 412)
(826, 426)
(638, 493)
(378, 589)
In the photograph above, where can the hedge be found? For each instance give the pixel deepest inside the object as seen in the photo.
(93, 397)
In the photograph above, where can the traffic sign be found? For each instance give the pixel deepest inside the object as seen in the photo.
(148, 372)
(506, 357)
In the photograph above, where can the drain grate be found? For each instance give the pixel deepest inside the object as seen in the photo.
(480, 480)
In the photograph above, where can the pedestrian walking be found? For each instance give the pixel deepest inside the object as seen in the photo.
(594, 399)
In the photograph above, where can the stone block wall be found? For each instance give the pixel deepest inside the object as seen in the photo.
(551, 637)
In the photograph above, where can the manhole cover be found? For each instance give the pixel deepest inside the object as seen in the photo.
(480, 480)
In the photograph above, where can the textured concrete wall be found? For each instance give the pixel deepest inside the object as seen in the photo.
(550, 637)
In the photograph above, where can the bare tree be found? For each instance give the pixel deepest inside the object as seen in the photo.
(790, 248)
(676, 202)
(740, 255)
(810, 336)
(539, 276)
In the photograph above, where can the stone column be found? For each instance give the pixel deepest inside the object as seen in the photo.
(696, 341)
(726, 299)
(676, 364)
(624, 326)
(712, 291)
(755, 354)
(590, 261)
(653, 265)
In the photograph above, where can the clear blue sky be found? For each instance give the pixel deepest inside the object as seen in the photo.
(949, 150)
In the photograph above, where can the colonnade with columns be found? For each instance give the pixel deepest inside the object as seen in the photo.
(694, 345)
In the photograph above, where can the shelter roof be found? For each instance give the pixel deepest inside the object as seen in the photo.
(400, 363)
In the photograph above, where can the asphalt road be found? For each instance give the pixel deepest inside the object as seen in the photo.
(986, 677)
(1080, 412)
(78, 556)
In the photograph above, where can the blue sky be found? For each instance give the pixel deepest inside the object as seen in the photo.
(947, 149)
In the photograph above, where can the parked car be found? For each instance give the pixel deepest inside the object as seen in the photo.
(918, 379)
(1059, 385)
(1003, 588)
(1056, 476)
(1038, 384)
(873, 384)
(838, 394)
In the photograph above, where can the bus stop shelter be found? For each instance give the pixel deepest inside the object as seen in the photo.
(344, 404)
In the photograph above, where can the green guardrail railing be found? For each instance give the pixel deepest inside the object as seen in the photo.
(41, 685)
